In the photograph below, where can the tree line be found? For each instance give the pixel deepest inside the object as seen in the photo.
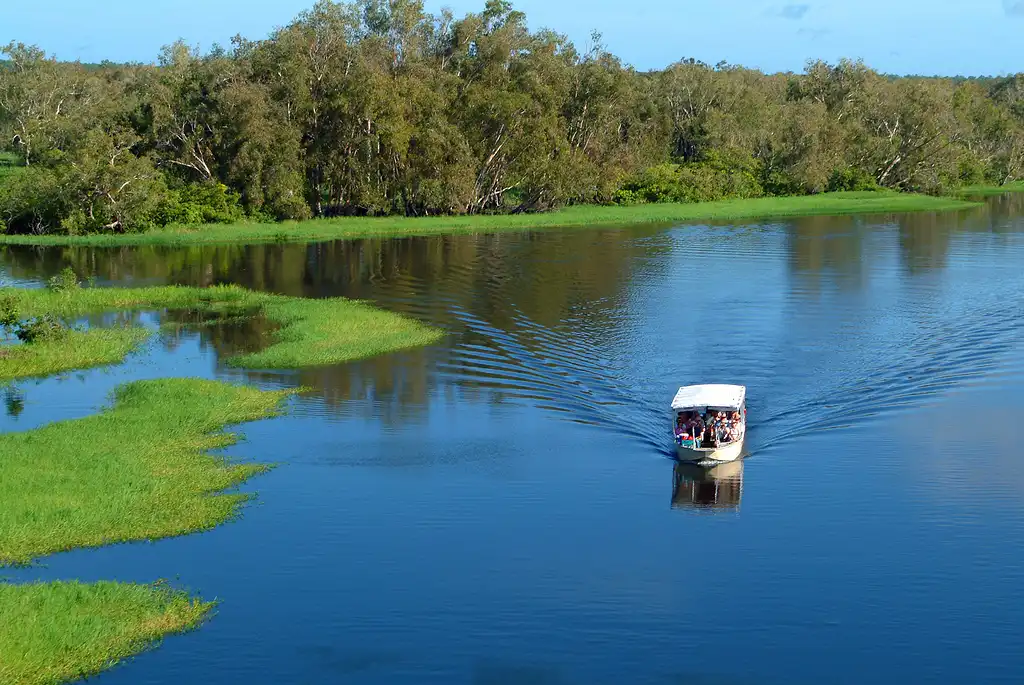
(377, 107)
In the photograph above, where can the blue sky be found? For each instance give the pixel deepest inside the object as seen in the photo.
(898, 36)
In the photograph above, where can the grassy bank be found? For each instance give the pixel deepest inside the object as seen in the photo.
(52, 633)
(138, 471)
(78, 350)
(580, 216)
(988, 191)
(308, 333)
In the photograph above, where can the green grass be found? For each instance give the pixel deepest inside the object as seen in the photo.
(53, 633)
(79, 350)
(578, 216)
(138, 471)
(309, 333)
(987, 190)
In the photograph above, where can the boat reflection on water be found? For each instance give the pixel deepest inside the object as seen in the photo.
(717, 487)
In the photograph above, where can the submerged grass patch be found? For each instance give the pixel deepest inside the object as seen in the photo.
(577, 216)
(52, 633)
(138, 471)
(76, 350)
(309, 333)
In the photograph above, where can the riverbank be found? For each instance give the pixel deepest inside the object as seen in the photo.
(882, 202)
(52, 633)
(305, 332)
(989, 191)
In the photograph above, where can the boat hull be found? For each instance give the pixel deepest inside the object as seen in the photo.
(724, 453)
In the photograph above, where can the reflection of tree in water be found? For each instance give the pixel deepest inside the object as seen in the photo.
(717, 487)
(227, 333)
(529, 298)
(14, 401)
(925, 239)
(827, 249)
(833, 251)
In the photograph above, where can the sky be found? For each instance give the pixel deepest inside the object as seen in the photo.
(944, 37)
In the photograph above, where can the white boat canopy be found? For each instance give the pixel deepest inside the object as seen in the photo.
(721, 397)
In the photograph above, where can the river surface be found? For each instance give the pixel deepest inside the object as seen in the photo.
(502, 508)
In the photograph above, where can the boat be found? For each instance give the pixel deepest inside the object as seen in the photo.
(713, 444)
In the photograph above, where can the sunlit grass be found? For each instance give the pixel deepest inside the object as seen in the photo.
(53, 633)
(78, 350)
(309, 333)
(582, 216)
(139, 470)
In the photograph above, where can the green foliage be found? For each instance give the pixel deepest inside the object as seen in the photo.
(200, 203)
(851, 179)
(369, 109)
(46, 328)
(10, 313)
(65, 281)
(685, 183)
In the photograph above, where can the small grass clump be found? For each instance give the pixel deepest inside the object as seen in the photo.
(309, 333)
(138, 471)
(52, 633)
(875, 202)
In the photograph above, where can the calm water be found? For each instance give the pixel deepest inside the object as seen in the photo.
(502, 508)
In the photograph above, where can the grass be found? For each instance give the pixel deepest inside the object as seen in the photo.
(140, 470)
(309, 333)
(987, 190)
(59, 632)
(578, 216)
(78, 350)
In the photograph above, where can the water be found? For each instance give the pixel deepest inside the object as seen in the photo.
(502, 507)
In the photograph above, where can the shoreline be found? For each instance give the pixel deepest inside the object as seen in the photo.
(580, 216)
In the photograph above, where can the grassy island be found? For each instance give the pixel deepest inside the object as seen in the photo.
(52, 633)
(583, 216)
(138, 471)
(309, 332)
(141, 469)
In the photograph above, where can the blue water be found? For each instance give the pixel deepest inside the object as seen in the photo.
(502, 507)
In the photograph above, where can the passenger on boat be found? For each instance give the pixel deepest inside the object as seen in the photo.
(682, 425)
(688, 426)
(696, 425)
(711, 430)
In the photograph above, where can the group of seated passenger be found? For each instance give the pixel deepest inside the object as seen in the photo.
(714, 428)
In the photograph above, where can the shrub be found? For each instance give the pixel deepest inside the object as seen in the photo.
(204, 203)
(851, 179)
(705, 181)
(10, 316)
(64, 281)
(45, 328)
